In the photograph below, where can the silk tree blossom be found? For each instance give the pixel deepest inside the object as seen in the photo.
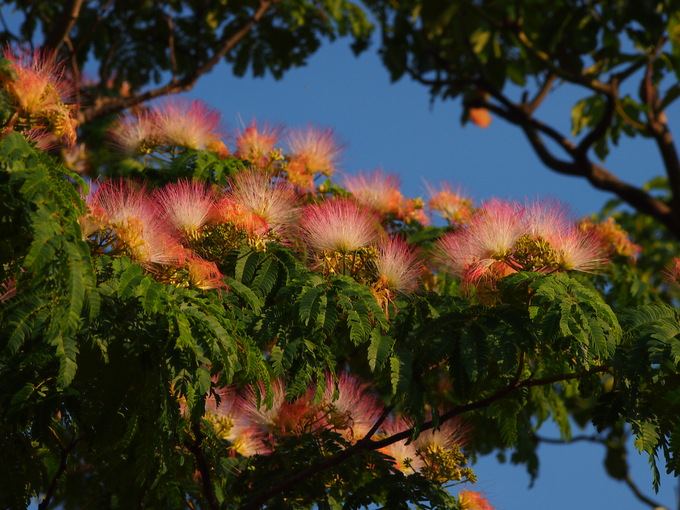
(187, 205)
(283, 418)
(475, 251)
(354, 410)
(612, 235)
(312, 151)
(132, 225)
(230, 422)
(398, 265)
(338, 225)
(568, 247)
(39, 90)
(378, 190)
(276, 202)
(471, 500)
(134, 133)
(204, 274)
(171, 123)
(436, 454)
(190, 124)
(257, 143)
(404, 453)
(450, 203)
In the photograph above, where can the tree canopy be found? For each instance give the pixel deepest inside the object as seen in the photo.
(218, 323)
(506, 57)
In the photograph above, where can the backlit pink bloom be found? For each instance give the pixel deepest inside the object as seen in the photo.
(125, 209)
(283, 417)
(184, 123)
(228, 211)
(255, 143)
(377, 190)
(230, 422)
(406, 458)
(398, 265)
(572, 247)
(275, 202)
(450, 203)
(354, 411)
(312, 151)
(451, 433)
(134, 133)
(338, 225)
(470, 500)
(204, 274)
(612, 235)
(187, 205)
(412, 210)
(471, 251)
(39, 91)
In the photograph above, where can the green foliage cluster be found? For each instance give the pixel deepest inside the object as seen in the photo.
(104, 370)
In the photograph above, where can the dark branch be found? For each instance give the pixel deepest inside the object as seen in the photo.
(65, 451)
(202, 465)
(580, 165)
(367, 444)
(658, 127)
(114, 105)
(63, 25)
(540, 96)
(600, 130)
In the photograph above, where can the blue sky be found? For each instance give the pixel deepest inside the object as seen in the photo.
(394, 127)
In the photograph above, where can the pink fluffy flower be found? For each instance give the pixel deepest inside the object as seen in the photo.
(378, 191)
(354, 410)
(187, 205)
(316, 148)
(573, 248)
(404, 453)
(276, 202)
(312, 151)
(255, 143)
(338, 225)
(450, 203)
(230, 422)
(398, 265)
(283, 417)
(134, 133)
(125, 209)
(204, 274)
(183, 123)
(472, 251)
(471, 500)
(39, 90)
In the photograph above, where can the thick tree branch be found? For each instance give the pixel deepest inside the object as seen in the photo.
(531, 106)
(113, 105)
(600, 129)
(65, 451)
(367, 444)
(658, 127)
(63, 25)
(202, 465)
(580, 165)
